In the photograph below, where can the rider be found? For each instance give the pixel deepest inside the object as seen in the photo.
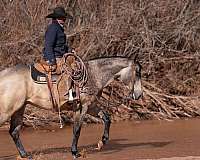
(55, 39)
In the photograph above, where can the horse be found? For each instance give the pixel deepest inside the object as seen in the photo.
(17, 89)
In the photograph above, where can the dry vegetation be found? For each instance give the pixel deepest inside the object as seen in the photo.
(164, 33)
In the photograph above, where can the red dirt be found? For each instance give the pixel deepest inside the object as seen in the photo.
(128, 141)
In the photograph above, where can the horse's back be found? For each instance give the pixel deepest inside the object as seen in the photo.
(18, 70)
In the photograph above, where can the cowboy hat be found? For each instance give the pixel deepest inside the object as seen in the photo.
(59, 12)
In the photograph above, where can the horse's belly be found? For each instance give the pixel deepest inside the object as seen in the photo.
(40, 96)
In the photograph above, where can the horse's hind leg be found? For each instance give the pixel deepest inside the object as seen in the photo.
(106, 119)
(3, 118)
(15, 126)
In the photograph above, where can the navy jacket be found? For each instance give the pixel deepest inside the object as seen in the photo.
(55, 43)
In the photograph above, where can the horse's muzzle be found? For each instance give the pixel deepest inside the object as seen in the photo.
(137, 94)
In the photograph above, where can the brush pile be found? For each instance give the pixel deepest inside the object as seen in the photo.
(164, 33)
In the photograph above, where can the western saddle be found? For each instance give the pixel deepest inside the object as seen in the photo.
(71, 67)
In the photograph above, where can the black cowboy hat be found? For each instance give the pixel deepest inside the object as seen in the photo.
(59, 12)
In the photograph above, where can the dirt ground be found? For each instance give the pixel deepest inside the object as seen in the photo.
(164, 140)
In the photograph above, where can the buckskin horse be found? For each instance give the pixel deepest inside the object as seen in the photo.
(17, 89)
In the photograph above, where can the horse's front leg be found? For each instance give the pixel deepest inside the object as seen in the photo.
(79, 113)
(104, 115)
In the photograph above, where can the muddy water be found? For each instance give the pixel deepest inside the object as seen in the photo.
(129, 140)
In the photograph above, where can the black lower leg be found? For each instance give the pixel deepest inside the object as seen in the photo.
(15, 126)
(78, 115)
(76, 134)
(15, 135)
(106, 119)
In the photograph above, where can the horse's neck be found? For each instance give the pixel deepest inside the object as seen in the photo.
(102, 71)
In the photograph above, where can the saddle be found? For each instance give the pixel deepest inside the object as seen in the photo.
(39, 76)
(41, 69)
(62, 76)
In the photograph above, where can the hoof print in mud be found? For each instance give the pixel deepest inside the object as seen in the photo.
(83, 153)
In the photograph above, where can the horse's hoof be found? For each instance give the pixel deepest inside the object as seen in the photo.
(76, 156)
(30, 158)
(99, 145)
(20, 158)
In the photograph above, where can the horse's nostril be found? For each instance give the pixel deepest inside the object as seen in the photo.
(133, 96)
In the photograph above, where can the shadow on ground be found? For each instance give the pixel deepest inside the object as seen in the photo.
(115, 145)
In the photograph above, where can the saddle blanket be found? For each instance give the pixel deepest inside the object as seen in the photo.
(40, 77)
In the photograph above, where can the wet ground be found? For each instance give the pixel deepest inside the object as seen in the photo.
(163, 140)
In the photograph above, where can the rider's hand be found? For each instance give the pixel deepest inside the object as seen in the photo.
(73, 51)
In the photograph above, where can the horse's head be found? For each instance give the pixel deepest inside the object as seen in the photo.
(131, 76)
(136, 90)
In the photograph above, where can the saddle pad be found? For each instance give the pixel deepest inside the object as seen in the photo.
(40, 77)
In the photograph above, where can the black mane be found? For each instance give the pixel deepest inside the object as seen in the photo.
(109, 57)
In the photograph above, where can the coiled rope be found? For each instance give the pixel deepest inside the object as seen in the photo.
(76, 69)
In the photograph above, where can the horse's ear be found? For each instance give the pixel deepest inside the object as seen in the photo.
(136, 61)
(116, 77)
